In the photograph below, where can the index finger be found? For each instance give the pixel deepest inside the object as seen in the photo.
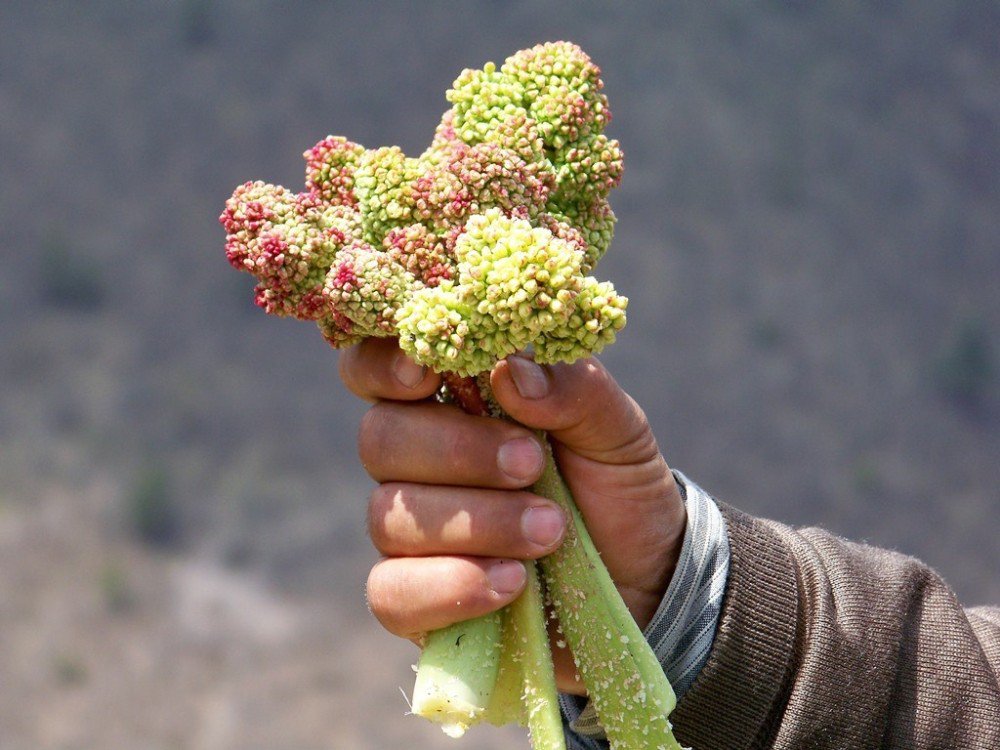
(378, 369)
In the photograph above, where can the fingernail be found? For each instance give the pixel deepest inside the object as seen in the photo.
(520, 458)
(543, 525)
(529, 377)
(408, 372)
(506, 576)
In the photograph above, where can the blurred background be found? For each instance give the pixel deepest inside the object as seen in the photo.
(808, 231)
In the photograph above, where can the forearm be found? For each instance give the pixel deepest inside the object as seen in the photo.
(829, 644)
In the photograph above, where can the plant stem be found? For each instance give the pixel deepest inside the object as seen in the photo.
(526, 688)
(622, 675)
(457, 671)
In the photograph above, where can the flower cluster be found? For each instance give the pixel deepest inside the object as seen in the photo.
(478, 248)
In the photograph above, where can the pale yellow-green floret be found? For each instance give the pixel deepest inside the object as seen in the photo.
(599, 313)
(562, 90)
(522, 135)
(438, 327)
(517, 286)
(587, 169)
(383, 184)
(482, 100)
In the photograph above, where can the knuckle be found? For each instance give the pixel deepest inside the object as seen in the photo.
(372, 591)
(380, 504)
(638, 441)
(378, 594)
(353, 365)
(580, 385)
(595, 378)
(370, 433)
(344, 365)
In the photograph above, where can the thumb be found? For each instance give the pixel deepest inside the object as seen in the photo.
(608, 456)
(580, 405)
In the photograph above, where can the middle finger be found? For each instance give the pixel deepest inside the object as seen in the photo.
(421, 519)
(434, 443)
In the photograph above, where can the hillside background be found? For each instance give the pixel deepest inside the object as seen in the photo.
(809, 232)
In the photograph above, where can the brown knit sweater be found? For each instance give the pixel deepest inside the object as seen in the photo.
(824, 643)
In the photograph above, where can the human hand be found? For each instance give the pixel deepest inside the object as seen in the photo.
(452, 513)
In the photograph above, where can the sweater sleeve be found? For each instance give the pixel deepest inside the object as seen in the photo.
(824, 643)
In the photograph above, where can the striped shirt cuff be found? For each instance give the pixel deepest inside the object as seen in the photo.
(683, 628)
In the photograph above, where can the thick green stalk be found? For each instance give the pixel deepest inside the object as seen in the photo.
(541, 700)
(526, 688)
(457, 672)
(469, 672)
(506, 706)
(623, 677)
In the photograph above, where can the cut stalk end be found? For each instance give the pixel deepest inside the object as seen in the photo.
(457, 672)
